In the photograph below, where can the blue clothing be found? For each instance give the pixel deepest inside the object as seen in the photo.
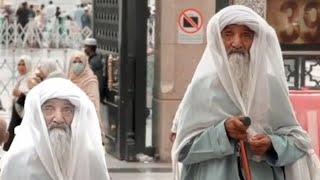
(77, 16)
(212, 156)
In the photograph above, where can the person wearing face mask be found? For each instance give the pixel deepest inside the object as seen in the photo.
(81, 74)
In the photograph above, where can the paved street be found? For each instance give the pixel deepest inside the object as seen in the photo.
(121, 170)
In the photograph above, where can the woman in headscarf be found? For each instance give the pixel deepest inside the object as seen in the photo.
(19, 94)
(45, 69)
(81, 74)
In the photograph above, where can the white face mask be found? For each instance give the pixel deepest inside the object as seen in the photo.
(77, 68)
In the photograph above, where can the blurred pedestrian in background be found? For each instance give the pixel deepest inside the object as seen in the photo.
(97, 65)
(19, 95)
(32, 12)
(78, 13)
(86, 18)
(81, 74)
(23, 14)
(45, 69)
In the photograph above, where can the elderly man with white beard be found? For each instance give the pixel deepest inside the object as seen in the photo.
(59, 138)
(239, 77)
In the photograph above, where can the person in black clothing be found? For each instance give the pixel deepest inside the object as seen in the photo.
(96, 64)
(23, 14)
(58, 12)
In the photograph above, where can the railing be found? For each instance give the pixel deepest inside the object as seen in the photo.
(303, 75)
(302, 69)
(8, 66)
(53, 35)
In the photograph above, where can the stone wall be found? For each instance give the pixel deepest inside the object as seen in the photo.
(260, 6)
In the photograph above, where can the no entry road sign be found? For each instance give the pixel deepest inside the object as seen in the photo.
(190, 27)
(190, 21)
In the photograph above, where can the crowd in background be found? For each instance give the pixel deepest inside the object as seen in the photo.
(85, 70)
(47, 16)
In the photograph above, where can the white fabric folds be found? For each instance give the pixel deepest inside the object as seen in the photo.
(201, 106)
(31, 156)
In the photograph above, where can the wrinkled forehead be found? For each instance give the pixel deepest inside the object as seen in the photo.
(57, 102)
(239, 27)
(238, 15)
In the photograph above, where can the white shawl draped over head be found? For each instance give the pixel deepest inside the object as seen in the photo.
(213, 84)
(22, 80)
(87, 160)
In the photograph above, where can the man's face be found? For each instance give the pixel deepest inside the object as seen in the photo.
(237, 38)
(58, 113)
(87, 50)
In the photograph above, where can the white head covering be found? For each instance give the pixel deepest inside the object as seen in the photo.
(90, 42)
(48, 66)
(86, 80)
(201, 106)
(22, 80)
(31, 149)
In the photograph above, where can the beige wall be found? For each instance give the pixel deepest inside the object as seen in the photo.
(174, 66)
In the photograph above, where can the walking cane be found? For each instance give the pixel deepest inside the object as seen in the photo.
(243, 152)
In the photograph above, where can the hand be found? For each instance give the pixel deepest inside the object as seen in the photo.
(33, 82)
(260, 144)
(236, 129)
(40, 74)
(172, 136)
(16, 92)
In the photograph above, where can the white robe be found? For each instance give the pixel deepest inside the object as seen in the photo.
(202, 106)
(31, 157)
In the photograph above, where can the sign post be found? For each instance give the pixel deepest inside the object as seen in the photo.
(190, 27)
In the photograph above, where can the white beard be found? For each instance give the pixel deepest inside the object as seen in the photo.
(239, 65)
(60, 140)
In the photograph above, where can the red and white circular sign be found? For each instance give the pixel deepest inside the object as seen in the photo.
(190, 21)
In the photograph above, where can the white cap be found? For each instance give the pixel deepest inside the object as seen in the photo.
(90, 42)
